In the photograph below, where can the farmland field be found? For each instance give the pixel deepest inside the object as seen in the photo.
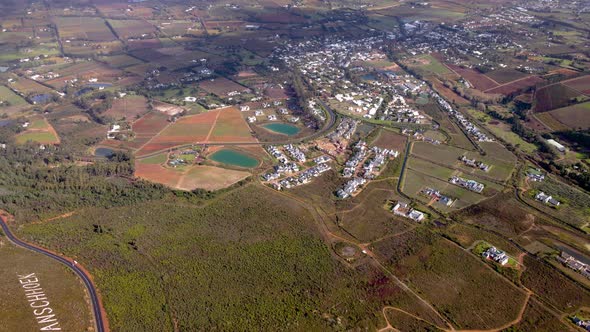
(129, 108)
(477, 79)
(131, 28)
(222, 125)
(27, 86)
(500, 170)
(552, 97)
(190, 177)
(39, 131)
(581, 84)
(231, 127)
(550, 122)
(210, 178)
(220, 86)
(576, 117)
(145, 128)
(10, 99)
(389, 140)
(503, 76)
(121, 61)
(84, 28)
(515, 86)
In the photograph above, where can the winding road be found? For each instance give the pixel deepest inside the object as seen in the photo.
(99, 318)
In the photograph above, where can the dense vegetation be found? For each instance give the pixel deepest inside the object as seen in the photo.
(247, 261)
(38, 182)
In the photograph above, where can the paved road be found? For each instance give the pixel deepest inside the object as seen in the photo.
(81, 273)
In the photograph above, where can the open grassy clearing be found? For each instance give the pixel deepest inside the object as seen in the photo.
(367, 216)
(63, 289)
(452, 280)
(503, 131)
(428, 64)
(39, 131)
(9, 98)
(575, 204)
(466, 235)
(502, 163)
(415, 181)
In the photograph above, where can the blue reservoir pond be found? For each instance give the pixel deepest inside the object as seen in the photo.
(282, 128)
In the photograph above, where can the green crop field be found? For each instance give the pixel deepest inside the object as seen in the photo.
(36, 136)
(157, 159)
(510, 137)
(429, 64)
(6, 95)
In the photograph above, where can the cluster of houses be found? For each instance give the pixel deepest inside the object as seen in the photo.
(437, 196)
(303, 177)
(404, 210)
(419, 136)
(327, 63)
(295, 153)
(496, 255)
(535, 176)
(351, 187)
(345, 130)
(546, 199)
(475, 164)
(288, 167)
(574, 264)
(360, 152)
(285, 166)
(585, 324)
(468, 184)
(399, 111)
(316, 111)
(472, 129)
(372, 166)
